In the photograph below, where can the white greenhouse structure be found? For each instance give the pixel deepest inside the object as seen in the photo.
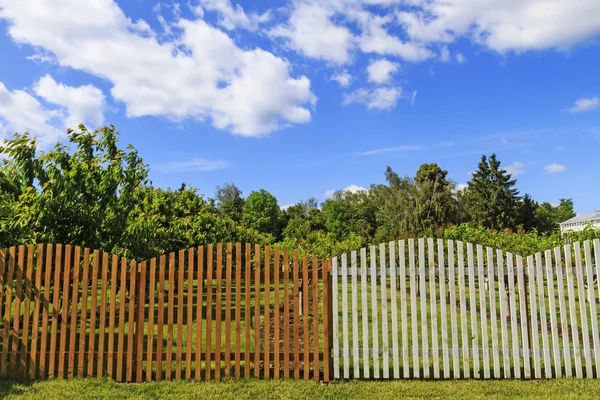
(579, 222)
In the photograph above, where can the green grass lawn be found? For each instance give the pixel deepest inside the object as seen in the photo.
(288, 389)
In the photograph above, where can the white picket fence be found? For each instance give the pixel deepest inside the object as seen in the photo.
(449, 310)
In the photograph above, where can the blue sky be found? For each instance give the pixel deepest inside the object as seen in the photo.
(304, 97)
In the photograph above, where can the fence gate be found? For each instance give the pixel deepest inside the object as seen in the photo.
(202, 313)
(436, 309)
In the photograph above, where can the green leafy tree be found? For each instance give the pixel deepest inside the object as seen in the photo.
(262, 213)
(548, 216)
(491, 199)
(527, 213)
(350, 213)
(230, 201)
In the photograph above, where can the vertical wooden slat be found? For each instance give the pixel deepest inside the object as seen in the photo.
(326, 321)
(228, 311)
(26, 311)
(591, 296)
(364, 311)
(8, 284)
(573, 312)
(433, 307)
(539, 268)
(583, 310)
(504, 313)
(102, 334)
(524, 319)
(37, 294)
(180, 283)
(483, 313)
(151, 311)
(443, 309)
(3, 302)
(554, 326)
(247, 284)
(453, 316)
(286, 315)
(345, 334)
(384, 313)
(111, 321)
(394, 311)
(199, 307)
(315, 312)
(160, 318)
(140, 323)
(238, 310)
(534, 317)
(460, 257)
(170, 305)
(493, 312)
(423, 295)
(514, 320)
(336, 333)
(74, 306)
(123, 319)
(43, 371)
(564, 321)
(374, 312)
(355, 350)
(93, 314)
(58, 266)
(209, 291)
(267, 319)
(257, 312)
(597, 258)
(131, 317)
(14, 336)
(473, 307)
(305, 311)
(403, 309)
(413, 308)
(296, 299)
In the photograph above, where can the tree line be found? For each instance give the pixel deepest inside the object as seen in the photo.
(90, 192)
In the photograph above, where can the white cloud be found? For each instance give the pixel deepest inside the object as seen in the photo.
(20, 112)
(502, 25)
(461, 187)
(382, 98)
(83, 104)
(343, 78)
(460, 58)
(200, 74)
(381, 71)
(515, 169)
(311, 32)
(194, 164)
(554, 168)
(584, 104)
(352, 189)
(445, 54)
(233, 17)
(397, 149)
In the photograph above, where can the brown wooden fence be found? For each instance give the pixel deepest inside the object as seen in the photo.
(225, 310)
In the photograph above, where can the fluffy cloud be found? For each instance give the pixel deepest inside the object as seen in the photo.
(382, 98)
(584, 104)
(515, 169)
(311, 32)
(201, 74)
(352, 189)
(381, 71)
(83, 104)
(554, 168)
(343, 78)
(232, 17)
(193, 165)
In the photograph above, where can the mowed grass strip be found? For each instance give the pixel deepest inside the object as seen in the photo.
(289, 389)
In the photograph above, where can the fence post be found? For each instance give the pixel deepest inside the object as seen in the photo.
(529, 323)
(328, 320)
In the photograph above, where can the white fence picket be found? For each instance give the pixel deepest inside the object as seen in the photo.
(587, 354)
(463, 309)
(564, 322)
(592, 302)
(364, 311)
(374, 312)
(433, 304)
(355, 352)
(335, 312)
(524, 319)
(493, 317)
(503, 315)
(473, 307)
(553, 322)
(384, 314)
(453, 318)
(345, 337)
(443, 309)
(573, 311)
(534, 318)
(423, 295)
(394, 311)
(512, 297)
(539, 268)
(413, 307)
(483, 313)
(403, 306)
